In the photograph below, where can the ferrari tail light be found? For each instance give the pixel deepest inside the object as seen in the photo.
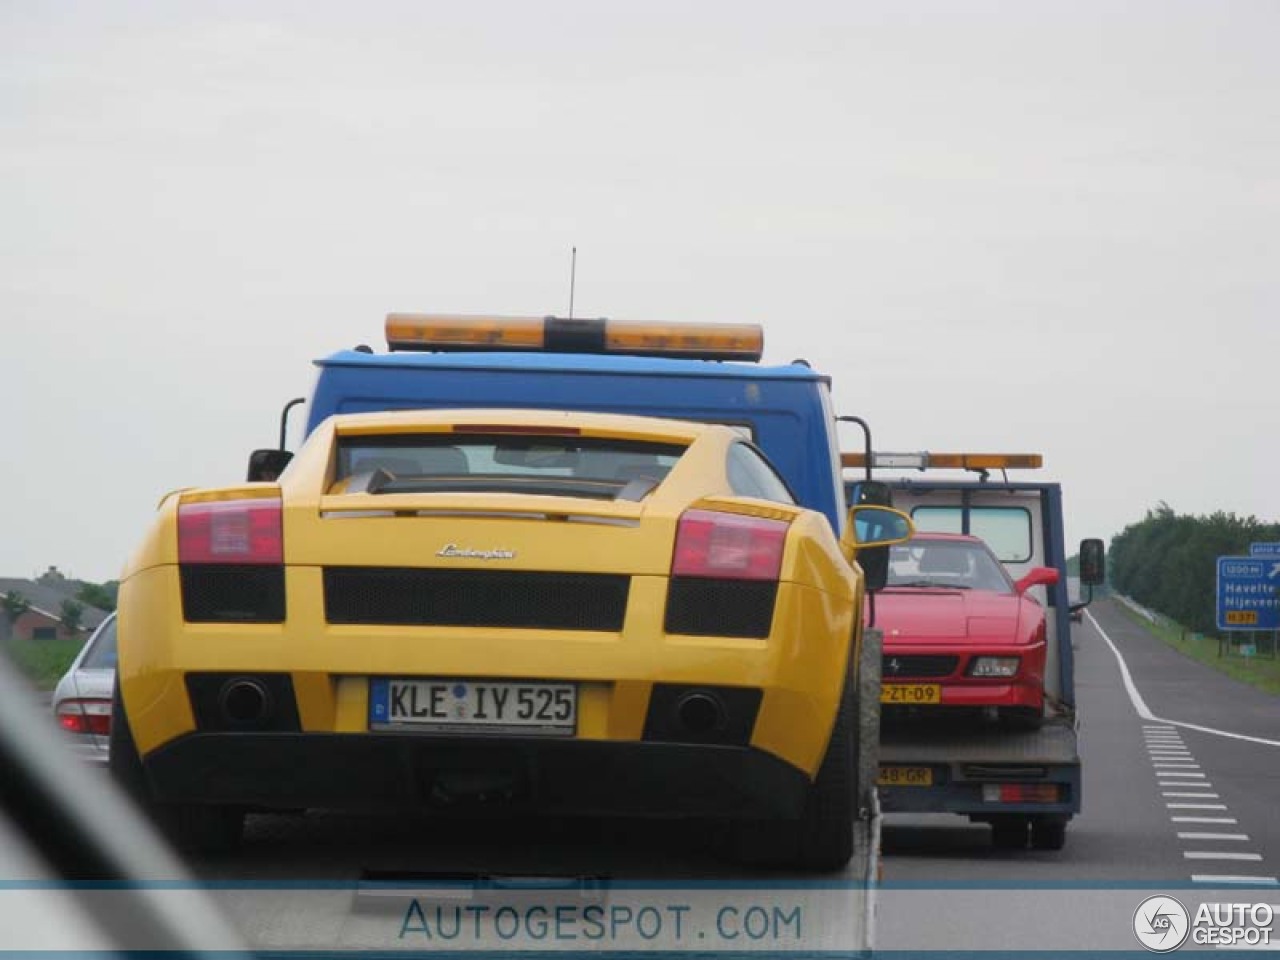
(231, 531)
(728, 546)
(85, 716)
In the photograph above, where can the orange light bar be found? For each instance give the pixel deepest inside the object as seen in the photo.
(729, 341)
(705, 341)
(945, 461)
(439, 331)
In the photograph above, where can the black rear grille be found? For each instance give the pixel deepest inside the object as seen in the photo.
(232, 593)
(918, 665)
(402, 596)
(706, 607)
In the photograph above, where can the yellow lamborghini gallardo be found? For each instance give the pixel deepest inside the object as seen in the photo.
(557, 612)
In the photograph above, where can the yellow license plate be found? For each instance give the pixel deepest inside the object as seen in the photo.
(1242, 617)
(911, 693)
(905, 777)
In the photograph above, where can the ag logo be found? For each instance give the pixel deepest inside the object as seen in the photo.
(1161, 924)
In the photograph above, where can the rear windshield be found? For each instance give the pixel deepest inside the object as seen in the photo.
(569, 466)
(102, 654)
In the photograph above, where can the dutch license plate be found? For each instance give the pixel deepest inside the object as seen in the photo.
(905, 777)
(474, 706)
(911, 693)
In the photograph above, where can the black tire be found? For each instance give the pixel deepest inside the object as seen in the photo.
(192, 828)
(123, 760)
(1009, 833)
(823, 838)
(1048, 834)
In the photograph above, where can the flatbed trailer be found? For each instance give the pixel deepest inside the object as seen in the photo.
(1025, 783)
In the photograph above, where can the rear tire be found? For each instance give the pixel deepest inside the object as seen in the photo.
(1048, 834)
(1009, 833)
(191, 827)
(823, 838)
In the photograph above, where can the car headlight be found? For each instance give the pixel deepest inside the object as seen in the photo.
(993, 666)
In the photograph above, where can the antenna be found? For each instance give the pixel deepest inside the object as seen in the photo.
(573, 277)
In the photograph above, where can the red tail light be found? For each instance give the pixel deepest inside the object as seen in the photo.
(230, 531)
(1021, 793)
(728, 546)
(85, 716)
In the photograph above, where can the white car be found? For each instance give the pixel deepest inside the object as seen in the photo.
(82, 698)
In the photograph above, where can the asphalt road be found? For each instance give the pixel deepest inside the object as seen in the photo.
(1140, 760)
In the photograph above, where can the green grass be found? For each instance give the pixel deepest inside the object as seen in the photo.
(43, 661)
(1261, 672)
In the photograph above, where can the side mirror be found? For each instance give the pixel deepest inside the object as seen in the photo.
(873, 529)
(1093, 562)
(267, 464)
(1037, 577)
(874, 526)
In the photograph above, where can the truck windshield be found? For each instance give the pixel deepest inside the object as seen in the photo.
(571, 466)
(957, 565)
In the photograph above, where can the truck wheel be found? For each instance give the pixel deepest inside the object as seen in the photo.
(1048, 834)
(1009, 833)
(192, 828)
(822, 839)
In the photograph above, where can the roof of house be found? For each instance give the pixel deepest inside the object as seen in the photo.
(48, 600)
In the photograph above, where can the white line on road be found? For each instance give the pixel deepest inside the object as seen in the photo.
(1200, 796)
(1193, 835)
(1181, 774)
(1219, 855)
(1166, 765)
(1144, 711)
(1225, 820)
(1196, 806)
(1186, 783)
(1217, 878)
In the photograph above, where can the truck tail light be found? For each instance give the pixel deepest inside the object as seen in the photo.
(1021, 793)
(728, 546)
(85, 716)
(231, 531)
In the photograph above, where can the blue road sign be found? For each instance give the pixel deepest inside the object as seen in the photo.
(1249, 593)
(1264, 550)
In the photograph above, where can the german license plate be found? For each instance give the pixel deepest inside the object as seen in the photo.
(911, 693)
(905, 777)
(474, 706)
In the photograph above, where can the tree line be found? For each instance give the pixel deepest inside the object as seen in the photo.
(1168, 561)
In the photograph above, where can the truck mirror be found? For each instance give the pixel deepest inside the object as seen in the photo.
(874, 562)
(1093, 562)
(267, 464)
(871, 493)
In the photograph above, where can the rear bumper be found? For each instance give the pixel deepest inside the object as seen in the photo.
(471, 774)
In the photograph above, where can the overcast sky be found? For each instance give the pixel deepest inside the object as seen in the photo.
(1043, 227)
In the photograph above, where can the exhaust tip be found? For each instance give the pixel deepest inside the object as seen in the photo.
(244, 702)
(700, 713)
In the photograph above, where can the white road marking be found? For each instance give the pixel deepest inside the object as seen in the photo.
(1200, 796)
(1217, 878)
(1196, 806)
(1144, 711)
(1167, 765)
(1219, 855)
(1193, 835)
(1204, 819)
(1183, 774)
(1187, 783)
